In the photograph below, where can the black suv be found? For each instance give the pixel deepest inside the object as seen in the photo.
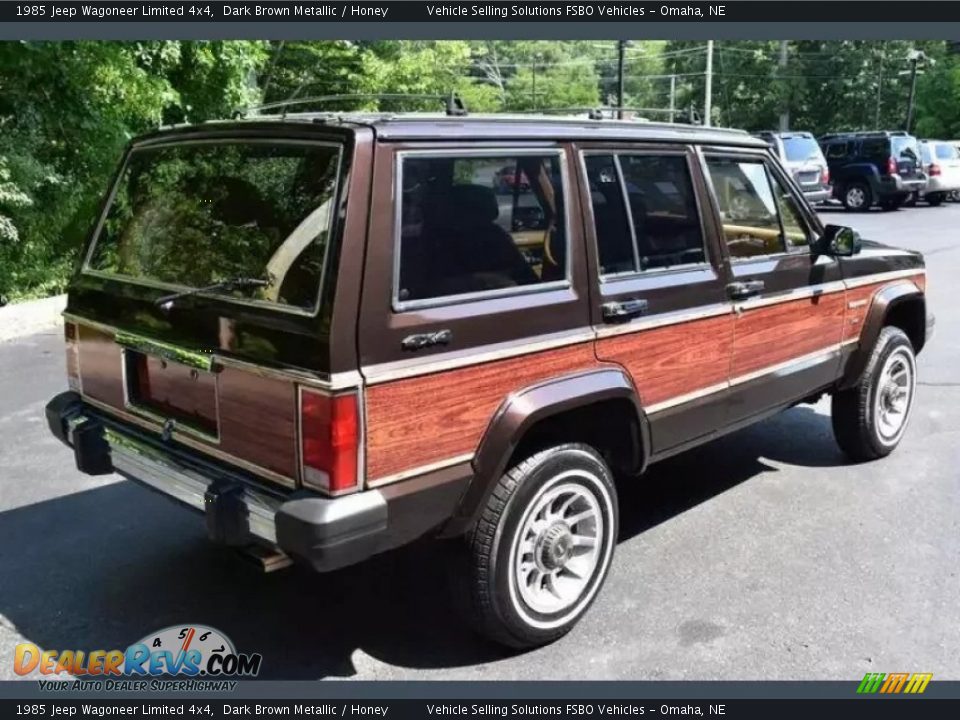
(873, 167)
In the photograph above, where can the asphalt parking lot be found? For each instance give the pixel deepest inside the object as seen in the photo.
(763, 555)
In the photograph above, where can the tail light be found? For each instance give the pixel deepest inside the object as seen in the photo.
(891, 166)
(934, 169)
(825, 178)
(71, 336)
(329, 441)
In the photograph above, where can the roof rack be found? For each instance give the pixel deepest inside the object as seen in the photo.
(596, 112)
(865, 133)
(453, 105)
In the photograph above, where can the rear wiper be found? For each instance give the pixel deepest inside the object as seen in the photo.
(234, 283)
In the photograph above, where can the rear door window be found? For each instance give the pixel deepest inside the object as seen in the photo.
(946, 152)
(194, 214)
(645, 212)
(477, 225)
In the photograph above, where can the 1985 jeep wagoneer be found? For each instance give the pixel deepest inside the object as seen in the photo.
(333, 334)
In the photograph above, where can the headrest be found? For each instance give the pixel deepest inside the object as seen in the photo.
(474, 203)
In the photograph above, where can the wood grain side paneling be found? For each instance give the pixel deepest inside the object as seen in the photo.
(861, 298)
(673, 360)
(173, 390)
(101, 369)
(426, 419)
(258, 420)
(774, 334)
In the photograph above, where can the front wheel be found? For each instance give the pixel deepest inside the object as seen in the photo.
(869, 419)
(541, 549)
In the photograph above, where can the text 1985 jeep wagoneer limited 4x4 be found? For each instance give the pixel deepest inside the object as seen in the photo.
(333, 334)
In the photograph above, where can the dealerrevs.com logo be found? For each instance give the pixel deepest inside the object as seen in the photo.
(192, 651)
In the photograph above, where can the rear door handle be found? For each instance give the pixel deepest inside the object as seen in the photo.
(424, 340)
(742, 290)
(619, 310)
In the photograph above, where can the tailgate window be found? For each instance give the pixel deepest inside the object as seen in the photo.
(801, 149)
(191, 215)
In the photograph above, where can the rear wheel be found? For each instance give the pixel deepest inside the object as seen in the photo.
(541, 549)
(869, 419)
(857, 197)
(934, 199)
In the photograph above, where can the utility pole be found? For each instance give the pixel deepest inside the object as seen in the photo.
(533, 89)
(913, 58)
(785, 112)
(708, 99)
(673, 97)
(876, 122)
(621, 61)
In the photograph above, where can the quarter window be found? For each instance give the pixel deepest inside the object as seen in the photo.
(480, 224)
(645, 213)
(759, 214)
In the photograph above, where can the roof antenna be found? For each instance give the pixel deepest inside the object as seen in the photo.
(455, 106)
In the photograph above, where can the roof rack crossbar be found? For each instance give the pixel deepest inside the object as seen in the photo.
(453, 105)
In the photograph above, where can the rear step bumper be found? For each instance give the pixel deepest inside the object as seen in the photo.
(326, 533)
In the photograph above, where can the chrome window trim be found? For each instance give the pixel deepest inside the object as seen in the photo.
(398, 306)
(689, 155)
(332, 229)
(881, 277)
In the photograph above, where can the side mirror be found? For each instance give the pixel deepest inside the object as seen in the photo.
(838, 241)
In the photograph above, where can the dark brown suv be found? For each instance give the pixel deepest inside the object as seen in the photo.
(334, 334)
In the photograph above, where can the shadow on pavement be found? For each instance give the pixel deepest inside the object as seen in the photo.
(102, 568)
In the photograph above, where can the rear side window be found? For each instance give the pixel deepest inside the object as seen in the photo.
(645, 212)
(195, 214)
(946, 152)
(479, 224)
(875, 148)
(836, 150)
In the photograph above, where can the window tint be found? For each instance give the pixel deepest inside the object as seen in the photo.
(476, 224)
(836, 150)
(199, 213)
(646, 214)
(748, 208)
(875, 148)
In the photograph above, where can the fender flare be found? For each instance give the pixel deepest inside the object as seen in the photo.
(884, 301)
(522, 410)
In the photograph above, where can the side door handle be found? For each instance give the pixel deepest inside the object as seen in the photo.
(619, 310)
(742, 290)
(424, 340)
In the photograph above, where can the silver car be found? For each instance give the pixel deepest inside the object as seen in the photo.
(941, 162)
(801, 155)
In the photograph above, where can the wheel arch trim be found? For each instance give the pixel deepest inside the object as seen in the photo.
(884, 302)
(522, 410)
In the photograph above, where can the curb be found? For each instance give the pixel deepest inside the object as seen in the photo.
(30, 317)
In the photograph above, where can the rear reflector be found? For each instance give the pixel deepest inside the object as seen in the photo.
(825, 178)
(70, 333)
(329, 440)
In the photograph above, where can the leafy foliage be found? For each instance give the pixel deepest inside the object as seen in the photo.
(68, 108)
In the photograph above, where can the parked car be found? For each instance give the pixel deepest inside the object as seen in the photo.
(868, 168)
(941, 163)
(802, 157)
(326, 334)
